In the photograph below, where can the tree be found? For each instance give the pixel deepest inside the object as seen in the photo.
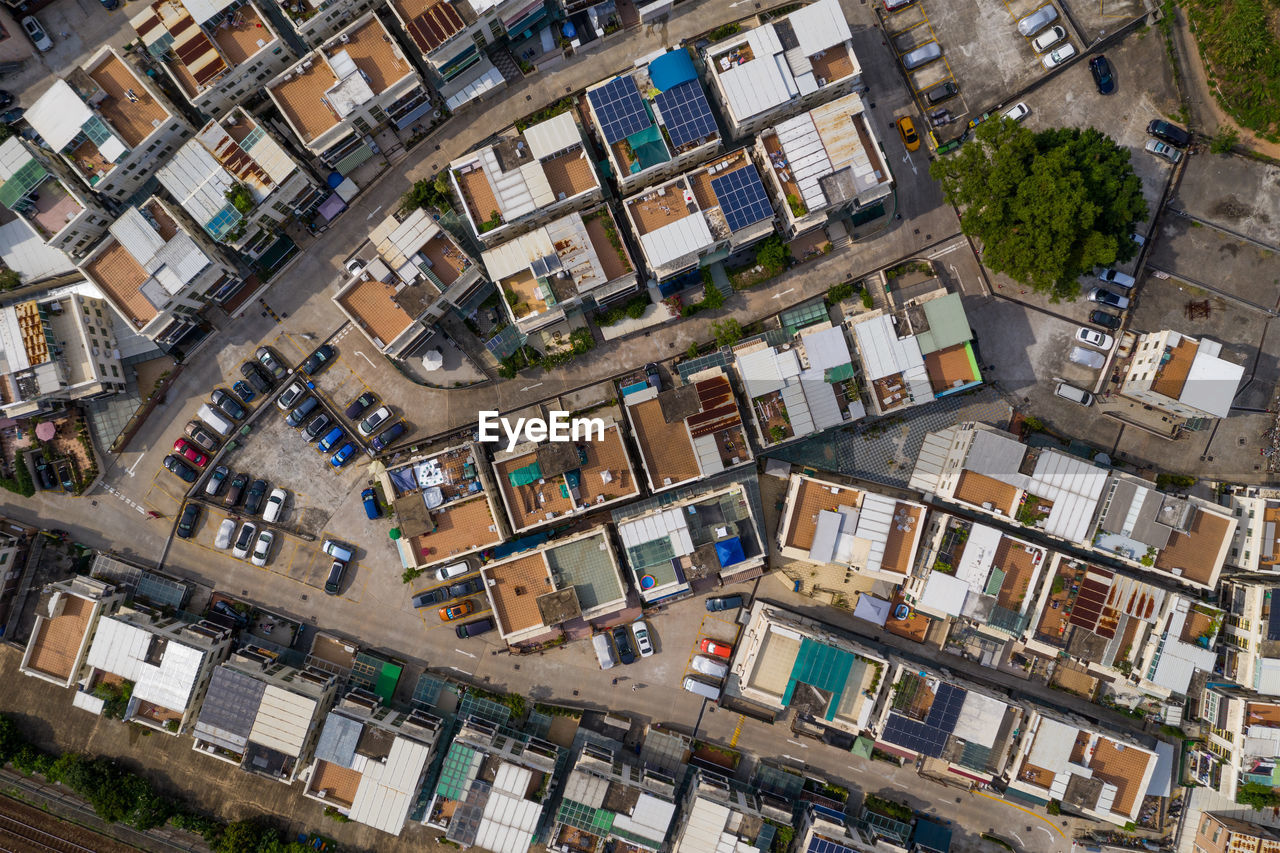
(1048, 206)
(1256, 795)
(712, 297)
(1054, 807)
(9, 279)
(728, 332)
(773, 254)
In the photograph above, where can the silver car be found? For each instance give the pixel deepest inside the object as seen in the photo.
(36, 33)
(1037, 20)
(1087, 357)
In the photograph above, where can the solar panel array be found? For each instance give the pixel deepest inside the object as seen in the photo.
(818, 844)
(915, 736)
(619, 109)
(686, 113)
(743, 200)
(944, 713)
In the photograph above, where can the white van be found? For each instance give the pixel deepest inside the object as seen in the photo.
(701, 688)
(604, 651)
(921, 55)
(215, 420)
(710, 667)
(338, 550)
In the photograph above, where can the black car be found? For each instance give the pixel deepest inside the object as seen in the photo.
(652, 376)
(257, 493)
(231, 613)
(432, 597)
(1104, 319)
(1102, 76)
(319, 360)
(268, 359)
(229, 404)
(44, 475)
(941, 92)
(256, 376)
(724, 602)
(1170, 133)
(236, 490)
(360, 404)
(179, 467)
(64, 477)
(10, 116)
(316, 428)
(6, 98)
(187, 523)
(467, 587)
(622, 640)
(387, 436)
(298, 415)
(474, 629)
(111, 5)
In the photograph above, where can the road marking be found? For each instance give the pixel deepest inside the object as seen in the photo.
(1021, 809)
(737, 730)
(906, 158)
(129, 470)
(1018, 838)
(953, 247)
(468, 654)
(531, 387)
(459, 669)
(955, 272)
(783, 293)
(366, 358)
(371, 215)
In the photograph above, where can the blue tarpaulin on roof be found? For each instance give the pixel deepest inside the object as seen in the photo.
(729, 552)
(671, 69)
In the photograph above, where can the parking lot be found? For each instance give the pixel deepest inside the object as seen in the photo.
(1236, 193)
(720, 627)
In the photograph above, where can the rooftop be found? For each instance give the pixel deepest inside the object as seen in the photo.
(55, 647)
(1194, 373)
(200, 52)
(460, 528)
(431, 23)
(514, 587)
(128, 106)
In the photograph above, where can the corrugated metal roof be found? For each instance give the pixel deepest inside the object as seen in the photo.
(121, 648)
(704, 828)
(875, 521)
(826, 348)
(552, 136)
(1074, 485)
(520, 254)
(883, 352)
(820, 397)
(338, 739)
(797, 409)
(819, 26)
(58, 115)
(136, 236)
(388, 789)
(759, 372)
(283, 720)
(197, 181)
(682, 238)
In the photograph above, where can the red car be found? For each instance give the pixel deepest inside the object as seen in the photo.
(189, 451)
(457, 611)
(711, 647)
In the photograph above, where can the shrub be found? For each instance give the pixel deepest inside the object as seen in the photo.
(867, 299)
(712, 297)
(1224, 140)
(692, 352)
(724, 31)
(1054, 807)
(840, 292)
(773, 254)
(727, 332)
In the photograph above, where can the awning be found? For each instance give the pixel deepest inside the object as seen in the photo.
(331, 207)
(672, 69)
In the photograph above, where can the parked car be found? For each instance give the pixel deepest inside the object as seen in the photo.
(1105, 319)
(333, 583)
(360, 404)
(10, 116)
(457, 611)
(218, 479)
(202, 436)
(187, 450)
(622, 642)
(36, 33)
(187, 521)
(110, 5)
(895, 5)
(1017, 112)
(256, 376)
(229, 405)
(709, 666)
(44, 475)
(1119, 279)
(331, 439)
(343, 455)
(1094, 338)
(640, 633)
(462, 589)
(1087, 357)
(1059, 56)
(338, 550)
(1037, 20)
(262, 548)
(942, 92)
(253, 500)
(1074, 394)
(431, 597)
(1105, 297)
(907, 130)
(242, 390)
(177, 466)
(290, 396)
(1048, 39)
(723, 602)
(244, 541)
(222, 540)
(1163, 150)
(6, 98)
(319, 360)
(370, 500)
(922, 55)
(652, 376)
(236, 490)
(1170, 133)
(275, 505)
(715, 648)
(453, 570)
(305, 408)
(371, 422)
(268, 359)
(388, 435)
(316, 427)
(1103, 77)
(228, 610)
(474, 629)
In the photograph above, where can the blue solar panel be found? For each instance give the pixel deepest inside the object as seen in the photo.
(686, 113)
(619, 109)
(945, 711)
(915, 735)
(742, 198)
(818, 844)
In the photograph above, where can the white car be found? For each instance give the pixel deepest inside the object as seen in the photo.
(1059, 56)
(36, 33)
(225, 532)
(291, 395)
(454, 570)
(1048, 39)
(644, 643)
(262, 549)
(1094, 338)
(1119, 279)
(370, 425)
(1074, 394)
(1163, 150)
(1087, 358)
(244, 541)
(274, 506)
(1017, 112)
(1037, 20)
(709, 666)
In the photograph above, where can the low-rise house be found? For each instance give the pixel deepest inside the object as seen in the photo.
(43, 194)
(108, 122)
(337, 96)
(1220, 833)
(404, 279)
(157, 274)
(370, 765)
(716, 815)
(1241, 740)
(1251, 634)
(215, 53)
(608, 798)
(701, 216)
(1255, 544)
(262, 715)
(716, 531)
(825, 522)
(687, 433)
(784, 661)
(54, 351)
(1180, 375)
(67, 616)
(781, 67)
(314, 21)
(239, 184)
(568, 581)
(654, 119)
(824, 164)
(450, 35)
(525, 178)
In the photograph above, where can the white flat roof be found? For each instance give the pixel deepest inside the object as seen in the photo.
(197, 181)
(552, 136)
(121, 648)
(509, 819)
(1211, 382)
(283, 720)
(387, 789)
(979, 720)
(683, 237)
(944, 594)
(58, 115)
(826, 348)
(1074, 485)
(979, 554)
(819, 26)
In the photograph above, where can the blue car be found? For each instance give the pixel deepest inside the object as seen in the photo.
(243, 391)
(371, 507)
(344, 453)
(331, 438)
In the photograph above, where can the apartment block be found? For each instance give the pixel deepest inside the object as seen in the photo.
(1255, 545)
(609, 798)
(109, 123)
(1241, 740)
(314, 22)
(44, 195)
(1219, 833)
(1251, 634)
(717, 815)
(239, 184)
(216, 53)
(67, 616)
(1181, 375)
(451, 38)
(782, 67)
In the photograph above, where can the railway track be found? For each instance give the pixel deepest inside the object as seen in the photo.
(16, 836)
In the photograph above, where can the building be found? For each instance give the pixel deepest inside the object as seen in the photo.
(608, 797)
(336, 97)
(67, 615)
(700, 217)
(544, 482)
(569, 581)
(800, 387)
(1255, 545)
(824, 164)
(824, 521)
(1241, 740)
(1099, 775)
(785, 661)
(549, 275)
(1219, 833)
(1180, 375)
(916, 353)
(526, 178)
(654, 119)
(1251, 635)
(217, 54)
(716, 815)
(42, 193)
(782, 67)
(493, 787)
(239, 184)
(687, 433)
(711, 530)
(403, 280)
(56, 351)
(262, 715)
(109, 123)
(314, 22)
(451, 37)
(446, 506)
(162, 664)
(158, 275)
(370, 765)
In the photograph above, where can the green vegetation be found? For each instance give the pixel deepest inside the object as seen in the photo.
(411, 574)
(1258, 796)
(581, 341)
(692, 351)
(1054, 807)
(923, 267)
(632, 309)
(494, 220)
(797, 206)
(773, 254)
(115, 698)
(1033, 424)
(332, 813)
(516, 362)
(994, 839)
(428, 193)
(888, 808)
(1177, 481)
(1048, 206)
(21, 483)
(1059, 585)
(561, 106)
(840, 292)
(867, 299)
(727, 332)
(944, 567)
(1224, 140)
(241, 199)
(1240, 43)
(9, 279)
(724, 31)
(782, 838)
(777, 433)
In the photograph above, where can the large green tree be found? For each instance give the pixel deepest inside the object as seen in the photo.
(1048, 206)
